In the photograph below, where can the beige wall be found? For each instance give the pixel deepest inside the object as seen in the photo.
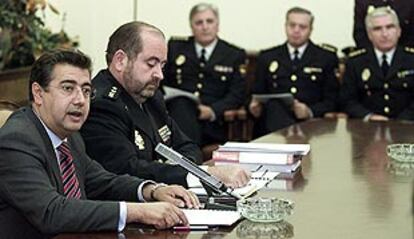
(253, 25)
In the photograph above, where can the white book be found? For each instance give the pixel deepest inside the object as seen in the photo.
(253, 167)
(297, 149)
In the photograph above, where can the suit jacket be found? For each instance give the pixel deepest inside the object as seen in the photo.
(312, 81)
(404, 9)
(366, 90)
(220, 84)
(32, 204)
(122, 136)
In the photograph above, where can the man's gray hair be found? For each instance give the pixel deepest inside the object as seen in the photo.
(379, 12)
(201, 7)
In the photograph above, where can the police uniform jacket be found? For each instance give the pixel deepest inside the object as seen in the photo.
(219, 82)
(312, 81)
(404, 10)
(122, 135)
(365, 90)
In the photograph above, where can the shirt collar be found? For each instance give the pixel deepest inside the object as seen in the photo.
(209, 49)
(56, 141)
(390, 55)
(301, 50)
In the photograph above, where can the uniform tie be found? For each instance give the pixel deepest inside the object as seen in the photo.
(295, 56)
(71, 187)
(203, 56)
(384, 65)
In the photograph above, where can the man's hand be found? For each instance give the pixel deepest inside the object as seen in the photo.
(255, 108)
(174, 194)
(206, 112)
(232, 175)
(375, 117)
(301, 110)
(159, 214)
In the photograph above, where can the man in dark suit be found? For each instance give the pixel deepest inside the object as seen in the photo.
(378, 81)
(211, 69)
(298, 67)
(48, 184)
(128, 116)
(404, 10)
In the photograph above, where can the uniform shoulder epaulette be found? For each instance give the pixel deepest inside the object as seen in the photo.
(328, 47)
(179, 38)
(357, 52)
(112, 92)
(409, 49)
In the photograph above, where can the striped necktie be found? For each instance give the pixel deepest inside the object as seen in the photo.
(71, 187)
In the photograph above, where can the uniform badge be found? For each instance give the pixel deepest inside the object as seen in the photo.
(273, 66)
(139, 141)
(180, 60)
(113, 92)
(165, 133)
(309, 70)
(366, 74)
(223, 69)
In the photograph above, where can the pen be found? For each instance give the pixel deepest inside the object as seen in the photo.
(190, 228)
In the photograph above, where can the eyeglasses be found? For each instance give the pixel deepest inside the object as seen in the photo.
(72, 89)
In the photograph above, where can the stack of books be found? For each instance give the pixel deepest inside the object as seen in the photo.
(283, 158)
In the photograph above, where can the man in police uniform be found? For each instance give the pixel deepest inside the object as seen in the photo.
(128, 117)
(210, 68)
(379, 81)
(298, 67)
(404, 10)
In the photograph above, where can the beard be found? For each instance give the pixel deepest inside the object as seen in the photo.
(139, 92)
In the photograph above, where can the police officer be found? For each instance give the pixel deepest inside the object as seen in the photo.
(211, 69)
(379, 81)
(298, 67)
(404, 10)
(128, 117)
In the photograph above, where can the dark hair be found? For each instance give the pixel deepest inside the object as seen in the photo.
(128, 38)
(301, 11)
(42, 68)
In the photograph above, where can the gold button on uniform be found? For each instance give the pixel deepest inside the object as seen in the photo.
(386, 109)
(202, 64)
(366, 86)
(313, 78)
(293, 77)
(405, 85)
(179, 81)
(386, 97)
(386, 86)
(293, 90)
(196, 93)
(201, 75)
(199, 85)
(223, 78)
(178, 71)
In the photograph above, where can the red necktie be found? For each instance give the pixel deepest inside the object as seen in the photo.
(71, 187)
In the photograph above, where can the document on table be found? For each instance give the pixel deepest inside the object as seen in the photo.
(211, 217)
(258, 180)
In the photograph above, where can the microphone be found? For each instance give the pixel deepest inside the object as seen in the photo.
(208, 179)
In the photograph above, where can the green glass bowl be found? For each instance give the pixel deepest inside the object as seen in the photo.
(265, 209)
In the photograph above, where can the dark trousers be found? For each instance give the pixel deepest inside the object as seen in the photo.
(276, 115)
(185, 112)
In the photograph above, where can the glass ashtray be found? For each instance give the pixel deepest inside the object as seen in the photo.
(401, 153)
(265, 209)
(274, 230)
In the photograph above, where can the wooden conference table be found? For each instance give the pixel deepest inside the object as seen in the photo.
(346, 188)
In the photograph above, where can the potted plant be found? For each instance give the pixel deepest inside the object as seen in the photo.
(23, 37)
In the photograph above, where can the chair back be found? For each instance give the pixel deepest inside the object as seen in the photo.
(6, 109)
